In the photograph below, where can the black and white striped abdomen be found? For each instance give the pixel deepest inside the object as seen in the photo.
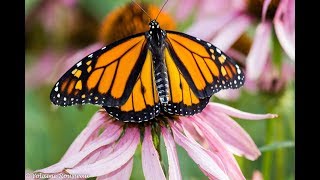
(162, 83)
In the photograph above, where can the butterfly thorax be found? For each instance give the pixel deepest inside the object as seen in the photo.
(156, 39)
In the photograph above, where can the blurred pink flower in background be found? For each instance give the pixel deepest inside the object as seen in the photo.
(257, 175)
(37, 72)
(224, 22)
(63, 64)
(274, 79)
(48, 40)
(236, 17)
(105, 148)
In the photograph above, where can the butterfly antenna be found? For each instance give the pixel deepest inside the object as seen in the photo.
(161, 8)
(141, 9)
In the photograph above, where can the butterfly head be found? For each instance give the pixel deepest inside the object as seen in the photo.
(156, 37)
(154, 25)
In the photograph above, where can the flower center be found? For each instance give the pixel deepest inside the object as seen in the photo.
(129, 20)
(242, 45)
(255, 8)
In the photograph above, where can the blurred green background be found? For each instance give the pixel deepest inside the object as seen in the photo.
(50, 130)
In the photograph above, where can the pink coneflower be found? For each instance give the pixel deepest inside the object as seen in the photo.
(234, 19)
(274, 79)
(229, 25)
(105, 148)
(48, 40)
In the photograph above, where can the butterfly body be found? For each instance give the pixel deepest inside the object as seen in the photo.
(156, 38)
(142, 76)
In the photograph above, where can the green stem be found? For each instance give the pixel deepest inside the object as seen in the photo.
(156, 133)
(267, 156)
(279, 152)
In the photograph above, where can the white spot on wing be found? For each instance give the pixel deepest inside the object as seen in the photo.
(56, 89)
(218, 50)
(209, 44)
(79, 63)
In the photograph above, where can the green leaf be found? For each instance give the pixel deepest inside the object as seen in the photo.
(277, 145)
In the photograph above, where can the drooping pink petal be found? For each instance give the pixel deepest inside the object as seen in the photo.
(198, 154)
(150, 158)
(258, 54)
(217, 107)
(108, 136)
(35, 73)
(99, 154)
(251, 85)
(257, 175)
(124, 172)
(101, 113)
(228, 94)
(288, 71)
(236, 138)
(265, 6)
(235, 54)
(284, 24)
(123, 152)
(240, 5)
(174, 167)
(231, 32)
(205, 28)
(285, 38)
(94, 125)
(233, 170)
(94, 155)
(185, 122)
(66, 62)
(194, 133)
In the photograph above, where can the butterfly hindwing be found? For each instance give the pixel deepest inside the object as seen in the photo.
(104, 77)
(183, 100)
(143, 102)
(206, 69)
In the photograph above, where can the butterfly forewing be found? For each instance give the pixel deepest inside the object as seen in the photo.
(206, 68)
(104, 77)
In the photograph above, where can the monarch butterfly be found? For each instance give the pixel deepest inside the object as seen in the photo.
(147, 74)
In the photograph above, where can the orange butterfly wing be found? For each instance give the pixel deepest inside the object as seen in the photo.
(206, 69)
(104, 77)
(182, 100)
(143, 102)
(196, 70)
